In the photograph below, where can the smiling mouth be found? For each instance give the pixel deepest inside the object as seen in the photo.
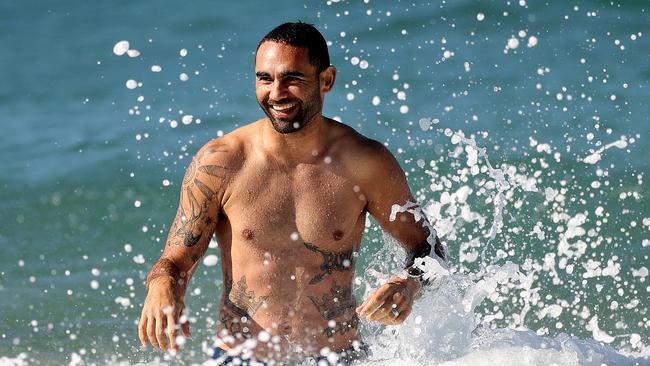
(283, 107)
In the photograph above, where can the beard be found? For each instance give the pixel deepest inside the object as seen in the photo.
(305, 110)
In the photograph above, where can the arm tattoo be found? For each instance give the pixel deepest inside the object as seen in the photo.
(336, 302)
(191, 213)
(332, 261)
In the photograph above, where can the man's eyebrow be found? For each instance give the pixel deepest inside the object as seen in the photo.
(260, 74)
(292, 73)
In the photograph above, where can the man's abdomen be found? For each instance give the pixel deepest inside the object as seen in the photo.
(300, 316)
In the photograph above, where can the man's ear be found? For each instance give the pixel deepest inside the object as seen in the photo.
(327, 79)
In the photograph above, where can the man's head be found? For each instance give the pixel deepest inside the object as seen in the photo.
(293, 75)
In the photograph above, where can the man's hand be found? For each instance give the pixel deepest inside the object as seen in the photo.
(392, 302)
(161, 315)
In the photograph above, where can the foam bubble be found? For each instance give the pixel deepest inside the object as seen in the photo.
(211, 260)
(513, 43)
(187, 119)
(121, 48)
(131, 84)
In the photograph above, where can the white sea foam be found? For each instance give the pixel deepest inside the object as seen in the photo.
(595, 156)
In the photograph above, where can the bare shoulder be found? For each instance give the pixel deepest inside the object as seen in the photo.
(367, 157)
(229, 150)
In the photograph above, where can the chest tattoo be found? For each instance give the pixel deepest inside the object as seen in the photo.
(332, 261)
(242, 297)
(336, 302)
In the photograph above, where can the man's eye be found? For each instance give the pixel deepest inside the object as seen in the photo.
(264, 79)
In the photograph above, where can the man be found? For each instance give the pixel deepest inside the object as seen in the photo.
(287, 198)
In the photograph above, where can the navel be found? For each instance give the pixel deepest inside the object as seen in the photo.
(338, 235)
(248, 234)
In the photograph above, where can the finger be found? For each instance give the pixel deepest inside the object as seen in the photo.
(142, 330)
(372, 307)
(374, 301)
(366, 303)
(387, 294)
(172, 331)
(151, 331)
(186, 329)
(398, 313)
(384, 312)
(403, 315)
(161, 337)
(363, 303)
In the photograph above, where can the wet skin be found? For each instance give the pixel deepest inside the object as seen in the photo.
(287, 198)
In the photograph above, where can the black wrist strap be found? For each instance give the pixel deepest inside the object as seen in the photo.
(422, 250)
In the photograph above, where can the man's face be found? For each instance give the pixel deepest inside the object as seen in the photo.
(287, 86)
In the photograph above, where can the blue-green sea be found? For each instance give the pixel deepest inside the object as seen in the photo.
(523, 127)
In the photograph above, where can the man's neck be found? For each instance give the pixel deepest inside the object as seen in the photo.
(296, 147)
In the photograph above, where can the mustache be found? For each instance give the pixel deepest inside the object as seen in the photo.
(281, 101)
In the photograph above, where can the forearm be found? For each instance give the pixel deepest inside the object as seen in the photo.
(167, 269)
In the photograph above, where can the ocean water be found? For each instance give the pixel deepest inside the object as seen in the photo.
(522, 125)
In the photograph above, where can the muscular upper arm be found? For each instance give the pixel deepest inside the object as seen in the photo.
(201, 194)
(385, 185)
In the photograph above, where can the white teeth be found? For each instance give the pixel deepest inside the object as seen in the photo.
(283, 107)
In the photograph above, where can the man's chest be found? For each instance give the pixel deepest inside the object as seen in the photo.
(314, 204)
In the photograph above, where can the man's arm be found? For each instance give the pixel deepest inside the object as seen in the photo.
(391, 204)
(200, 201)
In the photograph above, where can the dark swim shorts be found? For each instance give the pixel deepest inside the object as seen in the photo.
(347, 357)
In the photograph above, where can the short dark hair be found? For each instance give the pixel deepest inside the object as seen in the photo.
(301, 35)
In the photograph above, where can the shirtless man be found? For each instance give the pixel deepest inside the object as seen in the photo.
(287, 198)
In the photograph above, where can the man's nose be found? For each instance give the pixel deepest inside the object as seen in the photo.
(279, 90)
